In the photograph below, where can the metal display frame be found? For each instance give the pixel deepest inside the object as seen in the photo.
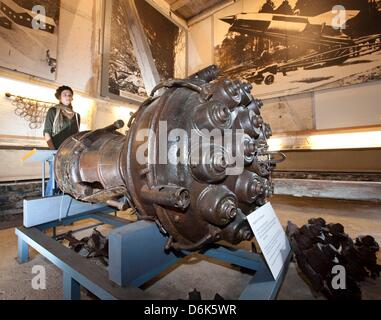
(136, 250)
(132, 267)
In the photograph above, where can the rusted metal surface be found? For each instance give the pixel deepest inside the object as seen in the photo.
(94, 246)
(194, 202)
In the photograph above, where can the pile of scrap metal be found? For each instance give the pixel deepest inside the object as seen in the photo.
(95, 246)
(319, 247)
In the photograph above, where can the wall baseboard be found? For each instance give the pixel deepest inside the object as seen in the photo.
(346, 190)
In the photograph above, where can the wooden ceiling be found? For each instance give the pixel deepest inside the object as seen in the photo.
(187, 9)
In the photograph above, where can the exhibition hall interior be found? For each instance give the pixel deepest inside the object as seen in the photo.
(190, 150)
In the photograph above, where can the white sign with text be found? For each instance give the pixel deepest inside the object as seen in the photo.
(271, 237)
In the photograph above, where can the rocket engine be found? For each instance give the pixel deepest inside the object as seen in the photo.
(197, 186)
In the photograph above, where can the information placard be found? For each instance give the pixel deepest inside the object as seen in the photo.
(271, 237)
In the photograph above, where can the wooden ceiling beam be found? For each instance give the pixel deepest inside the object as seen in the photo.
(164, 7)
(209, 12)
(179, 4)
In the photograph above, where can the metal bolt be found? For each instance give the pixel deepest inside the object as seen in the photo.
(222, 113)
(219, 163)
(247, 235)
(229, 209)
(247, 87)
(249, 147)
(237, 85)
(232, 88)
(259, 103)
(257, 121)
(268, 131)
(182, 199)
(255, 188)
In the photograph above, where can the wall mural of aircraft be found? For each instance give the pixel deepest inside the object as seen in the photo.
(322, 35)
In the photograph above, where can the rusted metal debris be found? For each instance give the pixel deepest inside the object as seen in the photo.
(195, 295)
(94, 246)
(195, 204)
(319, 247)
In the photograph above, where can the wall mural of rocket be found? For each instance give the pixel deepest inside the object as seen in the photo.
(295, 46)
(29, 36)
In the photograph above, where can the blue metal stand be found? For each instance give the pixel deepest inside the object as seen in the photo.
(44, 156)
(77, 270)
(72, 288)
(23, 250)
(136, 255)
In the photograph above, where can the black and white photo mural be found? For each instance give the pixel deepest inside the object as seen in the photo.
(288, 47)
(166, 40)
(122, 74)
(29, 36)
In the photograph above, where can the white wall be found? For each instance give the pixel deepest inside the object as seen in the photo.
(108, 113)
(200, 45)
(350, 106)
(76, 34)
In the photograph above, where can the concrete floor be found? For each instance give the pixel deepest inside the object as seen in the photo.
(197, 272)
